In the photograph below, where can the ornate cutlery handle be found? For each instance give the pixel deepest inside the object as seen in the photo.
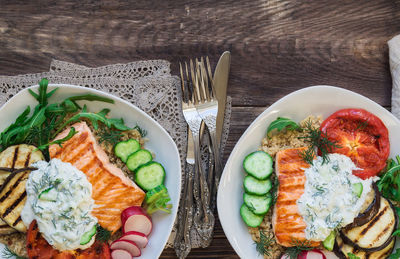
(182, 241)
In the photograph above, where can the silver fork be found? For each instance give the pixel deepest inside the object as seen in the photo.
(207, 107)
(203, 218)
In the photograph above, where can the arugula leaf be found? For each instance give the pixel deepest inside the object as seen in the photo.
(282, 123)
(43, 96)
(396, 255)
(59, 142)
(17, 135)
(95, 118)
(47, 119)
(352, 256)
(389, 184)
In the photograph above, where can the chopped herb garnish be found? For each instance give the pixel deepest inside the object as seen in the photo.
(317, 140)
(274, 190)
(298, 246)
(141, 131)
(103, 235)
(264, 245)
(8, 254)
(110, 136)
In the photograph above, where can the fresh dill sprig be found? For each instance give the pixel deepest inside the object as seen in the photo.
(298, 246)
(317, 140)
(142, 131)
(274, 190)
(308, 155)
(110, 136)
(8, 254)
(264, 245)
(103, 235)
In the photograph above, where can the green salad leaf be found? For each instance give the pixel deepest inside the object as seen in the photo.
(389, 184)
(282, 123)
(47, 120)
(396, 255)
(157, 199)
(352, 256)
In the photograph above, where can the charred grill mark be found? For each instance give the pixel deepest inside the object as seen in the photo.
(372, 222)
(17, 221)
(7, 194)
(5, 226)
(16, 150)
(76, 139)
(384, 231)
(28, 159)
(15, 204)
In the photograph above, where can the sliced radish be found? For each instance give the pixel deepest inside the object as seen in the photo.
(139, 238)
(136, 219)
(126, 245)
(120, 254)
(312, 254)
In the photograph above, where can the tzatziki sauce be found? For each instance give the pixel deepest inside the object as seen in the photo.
(59, 198)
(329, 201)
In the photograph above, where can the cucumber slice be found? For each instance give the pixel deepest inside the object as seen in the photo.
(48, 195)
(357, 189)
(251, 219)
(88, 235)
(138, 158)
(150, 175)
(125, 148)
(259, 205)
(258, 164)
(329, 242)
(258, 187)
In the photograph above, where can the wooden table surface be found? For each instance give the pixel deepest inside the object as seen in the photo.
(277, 47)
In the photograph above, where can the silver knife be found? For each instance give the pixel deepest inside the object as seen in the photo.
(220, 81)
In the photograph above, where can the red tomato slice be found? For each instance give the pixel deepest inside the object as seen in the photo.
(361, 136)
(38, 247)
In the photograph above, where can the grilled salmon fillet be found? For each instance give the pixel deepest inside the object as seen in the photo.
(287, 223)
(112, 190)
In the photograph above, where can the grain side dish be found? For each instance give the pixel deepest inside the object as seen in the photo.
(276, 142)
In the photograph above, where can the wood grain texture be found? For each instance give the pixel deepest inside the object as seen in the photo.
(277, 46)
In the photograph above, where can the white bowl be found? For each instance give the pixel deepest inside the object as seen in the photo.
(316, 100)
(160, 143)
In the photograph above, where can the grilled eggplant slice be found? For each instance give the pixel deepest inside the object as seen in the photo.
(20, 156)
(375, 234)
(15, 157)
(369, 209)
(342, 249)
(13, 198)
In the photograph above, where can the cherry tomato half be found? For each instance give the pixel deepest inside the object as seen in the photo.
(361, 136)
(38, 247)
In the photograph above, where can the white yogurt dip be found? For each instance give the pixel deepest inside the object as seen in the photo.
(59, 198)
(329, 201)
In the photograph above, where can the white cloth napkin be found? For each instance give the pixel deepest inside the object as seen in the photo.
(394, 59)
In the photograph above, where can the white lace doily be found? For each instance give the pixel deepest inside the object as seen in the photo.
(147, 84)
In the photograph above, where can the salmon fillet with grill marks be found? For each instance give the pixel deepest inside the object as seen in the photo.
(287, 223)
(112, 191)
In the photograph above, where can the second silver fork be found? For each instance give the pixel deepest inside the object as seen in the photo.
(207, 107)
